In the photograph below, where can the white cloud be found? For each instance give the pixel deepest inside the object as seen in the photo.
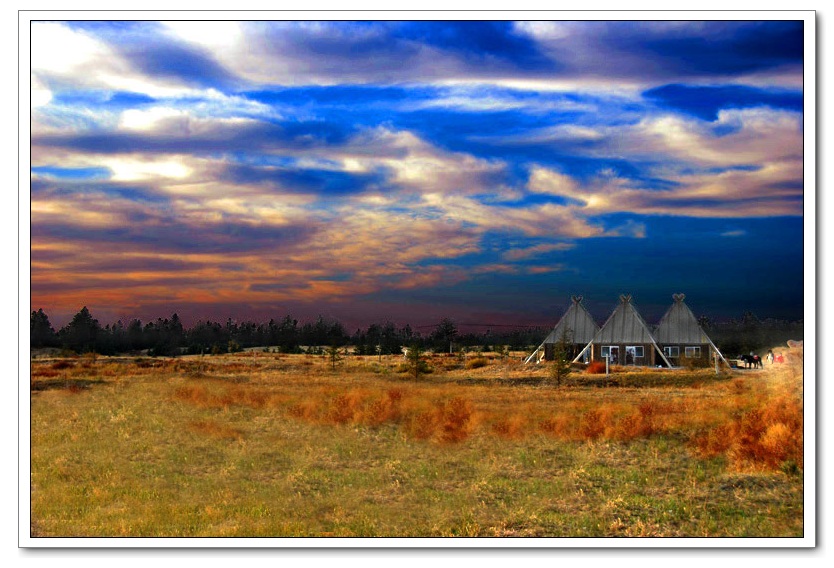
(215, 35)
(139, 169)
(536, 250)
(40, 93)
(753, 136)
(59, 50)
(71, 58)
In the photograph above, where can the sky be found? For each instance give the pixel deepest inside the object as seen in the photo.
(366, 171)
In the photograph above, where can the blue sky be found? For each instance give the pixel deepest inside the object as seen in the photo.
(408, 171)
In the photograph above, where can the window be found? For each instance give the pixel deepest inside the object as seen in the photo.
(673, 351)
(633, 353)
(636, 350)
(693, 352)
(612, 352)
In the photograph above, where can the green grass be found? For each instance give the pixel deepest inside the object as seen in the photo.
(126, 455)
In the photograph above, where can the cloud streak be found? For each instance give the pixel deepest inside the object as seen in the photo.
(273, 163)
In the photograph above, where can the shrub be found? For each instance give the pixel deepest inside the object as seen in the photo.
(476, 363)
(511, 427)
(691, 363)
(457, 420)
(596, 368)
(560, 426)
(764, 437)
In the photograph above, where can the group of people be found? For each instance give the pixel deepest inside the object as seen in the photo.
(773, 358)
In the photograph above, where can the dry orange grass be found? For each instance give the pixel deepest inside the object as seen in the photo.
(768, 433)
(214, 429)
(264, 445)
(422, 415)
(220, 395)
(754, 419)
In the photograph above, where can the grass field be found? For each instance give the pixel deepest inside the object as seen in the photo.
(263, 444)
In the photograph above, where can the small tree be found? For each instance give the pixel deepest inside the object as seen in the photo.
(334, 355)
(415, 359)
(560, 368)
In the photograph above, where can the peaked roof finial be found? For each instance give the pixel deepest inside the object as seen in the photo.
(625, 298)
(576, 299)
(678, 297)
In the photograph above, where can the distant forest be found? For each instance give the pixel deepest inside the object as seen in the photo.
(168, 336)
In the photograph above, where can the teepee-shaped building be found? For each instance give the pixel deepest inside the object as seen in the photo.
(624, 339)
(681, 336)
(576, 326)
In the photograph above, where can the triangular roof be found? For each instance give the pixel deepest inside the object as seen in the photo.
(625, 325)
(679, 325)
(577, 321)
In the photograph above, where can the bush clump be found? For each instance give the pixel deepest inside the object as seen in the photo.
(596, 368)
(476, 363)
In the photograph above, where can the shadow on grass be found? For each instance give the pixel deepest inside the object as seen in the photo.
(71, 385)
(629, 380)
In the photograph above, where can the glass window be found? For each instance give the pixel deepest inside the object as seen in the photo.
(612, 352)
(637, 350)
(673, 351)
(693, 352)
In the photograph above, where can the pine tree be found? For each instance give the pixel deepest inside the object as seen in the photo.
(41, 332)
(82, 332)
(334, 355)
(560, 368)
(415, 359)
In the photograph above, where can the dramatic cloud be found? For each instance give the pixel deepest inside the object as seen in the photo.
(408, 167)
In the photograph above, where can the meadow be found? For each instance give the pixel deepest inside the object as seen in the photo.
(262, 444)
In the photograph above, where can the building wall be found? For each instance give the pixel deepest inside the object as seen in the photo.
(706, 357)
(648, 358)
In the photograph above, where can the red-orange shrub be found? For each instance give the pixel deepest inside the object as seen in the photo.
(596, 367)
(511, 427)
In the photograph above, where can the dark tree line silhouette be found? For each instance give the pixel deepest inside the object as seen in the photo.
(168, 336)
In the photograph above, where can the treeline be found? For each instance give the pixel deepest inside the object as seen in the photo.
(749, 333)
(168, 336)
